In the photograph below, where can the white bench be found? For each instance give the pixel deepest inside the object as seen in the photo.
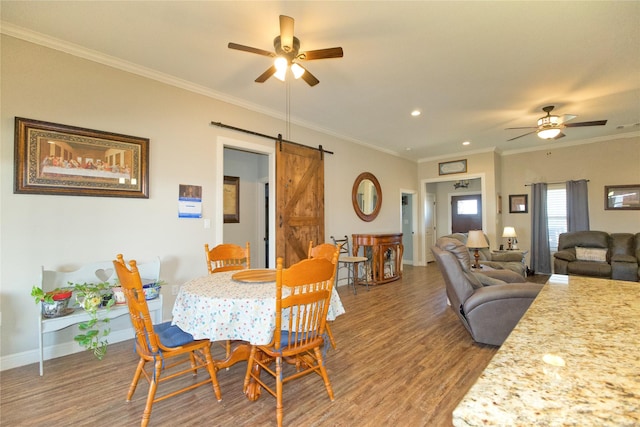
(92, 273)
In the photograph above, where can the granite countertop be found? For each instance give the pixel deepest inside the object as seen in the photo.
(573, 359)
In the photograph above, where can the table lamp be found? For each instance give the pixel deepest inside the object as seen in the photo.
(476, 241)
(510, 234)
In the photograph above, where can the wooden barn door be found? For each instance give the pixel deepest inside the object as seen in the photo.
(299, 200)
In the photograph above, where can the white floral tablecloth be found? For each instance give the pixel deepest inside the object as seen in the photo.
(217, 308)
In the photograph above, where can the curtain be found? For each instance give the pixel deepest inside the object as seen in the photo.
(577, 205)
(540, 252)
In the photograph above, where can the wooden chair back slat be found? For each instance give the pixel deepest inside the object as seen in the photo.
(309, 284)
(147, 343)
(228, 256)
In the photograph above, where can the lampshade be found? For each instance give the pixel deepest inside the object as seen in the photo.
(297, 70)
(549, 133)
(281, 65)
(476, 239)
(509, 232)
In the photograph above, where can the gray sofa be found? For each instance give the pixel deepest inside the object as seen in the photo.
(504, 260)
(598, 254)
(488, 307)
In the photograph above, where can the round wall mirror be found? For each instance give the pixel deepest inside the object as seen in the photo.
(366, 196)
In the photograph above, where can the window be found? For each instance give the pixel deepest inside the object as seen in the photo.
(556, 213)
(467, 207)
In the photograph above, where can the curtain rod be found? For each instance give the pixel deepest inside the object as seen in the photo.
(278, 138)
(562, 182)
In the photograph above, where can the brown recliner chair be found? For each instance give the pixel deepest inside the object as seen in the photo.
(489, 311)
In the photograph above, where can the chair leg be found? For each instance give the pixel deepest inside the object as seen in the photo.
(211, 368)
(136, 378)
(279, 390)
(367, 273)
(153, 385)
(331, 340)
(323, 372)
(352, 276)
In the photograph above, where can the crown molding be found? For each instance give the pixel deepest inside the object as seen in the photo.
(21, 33)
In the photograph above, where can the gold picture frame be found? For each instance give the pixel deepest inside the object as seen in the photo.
(231, 199)
(58, 159)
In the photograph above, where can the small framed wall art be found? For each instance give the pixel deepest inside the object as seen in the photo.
(231, 196)
(518, 203)
(622, 197)
(456, 166)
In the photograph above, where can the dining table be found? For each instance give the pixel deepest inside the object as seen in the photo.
(235, 305)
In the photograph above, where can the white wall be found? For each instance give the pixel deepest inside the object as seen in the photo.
(65, 232)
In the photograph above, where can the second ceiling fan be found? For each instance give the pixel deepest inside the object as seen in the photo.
(287, 54)
(550, 126)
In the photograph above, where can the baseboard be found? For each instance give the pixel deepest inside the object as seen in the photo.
(52, 352)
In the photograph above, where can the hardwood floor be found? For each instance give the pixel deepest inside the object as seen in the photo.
(403, 358)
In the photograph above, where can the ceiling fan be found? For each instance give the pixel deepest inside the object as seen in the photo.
(550, 127)
(287, 54)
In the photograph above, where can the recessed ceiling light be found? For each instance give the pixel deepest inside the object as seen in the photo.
(408, 149)
(466, 143)
(415, 113)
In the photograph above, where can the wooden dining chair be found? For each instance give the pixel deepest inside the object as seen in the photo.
(327, 251)
(303, 294)
(159, 343)
(227, 256)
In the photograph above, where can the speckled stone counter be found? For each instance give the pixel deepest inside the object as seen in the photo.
(573, 359)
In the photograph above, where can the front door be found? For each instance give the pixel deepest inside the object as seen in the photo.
(466, 213)
(300, 200)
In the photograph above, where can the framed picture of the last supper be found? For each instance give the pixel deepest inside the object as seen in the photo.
(60, 159)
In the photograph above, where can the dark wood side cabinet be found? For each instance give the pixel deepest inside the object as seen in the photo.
(385, 253)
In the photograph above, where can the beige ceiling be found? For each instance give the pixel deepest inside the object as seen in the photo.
(472, 68)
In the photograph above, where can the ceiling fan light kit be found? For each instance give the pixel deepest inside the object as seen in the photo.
(548, 133)
(550, 127)
(287, 51)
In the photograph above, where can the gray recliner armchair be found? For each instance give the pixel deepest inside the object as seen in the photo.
(487, 306)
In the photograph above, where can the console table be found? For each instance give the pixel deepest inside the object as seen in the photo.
(385, 254)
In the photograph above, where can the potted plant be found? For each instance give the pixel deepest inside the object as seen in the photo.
(54, 303)
(94, 332)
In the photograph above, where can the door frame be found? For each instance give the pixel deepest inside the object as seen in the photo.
(423, 199)
(414, 220)
(252, 147)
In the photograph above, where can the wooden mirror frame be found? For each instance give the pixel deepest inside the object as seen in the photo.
(354, 196)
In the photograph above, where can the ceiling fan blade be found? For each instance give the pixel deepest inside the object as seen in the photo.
(524, 134)
(308, 77)
(560, 135)
(264, 76)
(332, 52)
(250, 49)
(566, 117)
(286, 32)
(524, 127)
(580, 124)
